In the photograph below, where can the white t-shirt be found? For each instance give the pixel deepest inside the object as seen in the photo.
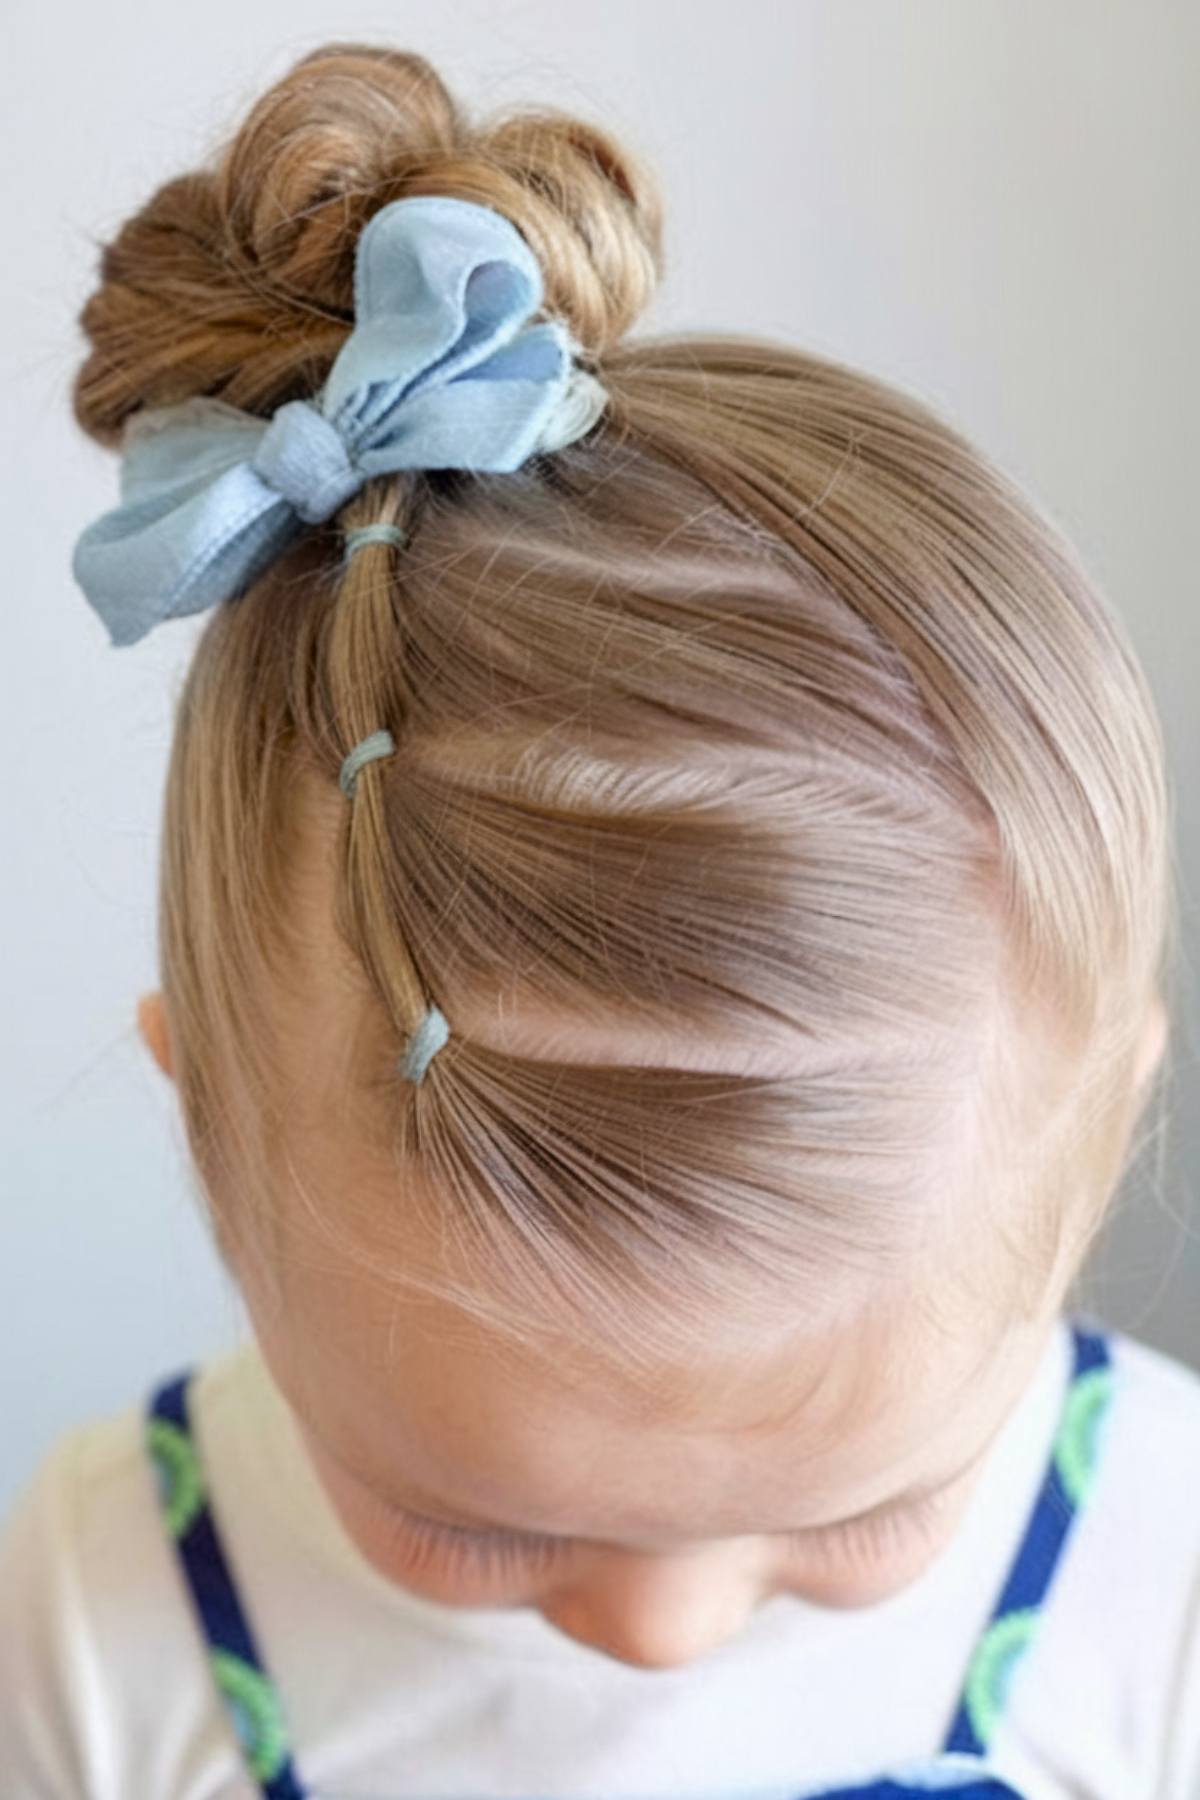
(106, 1692)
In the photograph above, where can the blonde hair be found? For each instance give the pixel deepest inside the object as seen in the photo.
(769, 712)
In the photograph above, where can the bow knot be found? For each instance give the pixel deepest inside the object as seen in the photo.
(303, 458)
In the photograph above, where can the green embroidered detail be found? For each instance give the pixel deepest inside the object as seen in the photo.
(254, 1706)
(180, 1481)
(996, 1655)
(1075, 1446)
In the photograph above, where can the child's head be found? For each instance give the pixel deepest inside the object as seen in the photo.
(778, 817)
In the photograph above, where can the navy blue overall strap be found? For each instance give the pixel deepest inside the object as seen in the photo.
(247, 1691)
(1070, 1471)
(960, 1769)
(976, 1785)
(252, 1701)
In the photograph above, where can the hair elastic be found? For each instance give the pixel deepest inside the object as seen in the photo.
(424, 1044)
(380, 743)
(378, 533)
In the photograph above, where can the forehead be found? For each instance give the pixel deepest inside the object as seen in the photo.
(417, 1397)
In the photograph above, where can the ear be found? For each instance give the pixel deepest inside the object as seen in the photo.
(1154, 1039)
(152, 1024)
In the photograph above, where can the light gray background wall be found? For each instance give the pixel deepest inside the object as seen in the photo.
(990, 202)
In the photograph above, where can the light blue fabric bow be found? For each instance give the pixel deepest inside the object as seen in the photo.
(439, 372)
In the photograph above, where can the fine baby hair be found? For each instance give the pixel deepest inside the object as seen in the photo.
(711, 698)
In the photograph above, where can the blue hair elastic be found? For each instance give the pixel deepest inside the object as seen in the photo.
(378, 533)
(380, 743)
(424, 1044)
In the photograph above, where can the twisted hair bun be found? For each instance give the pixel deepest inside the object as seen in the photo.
(237, 280)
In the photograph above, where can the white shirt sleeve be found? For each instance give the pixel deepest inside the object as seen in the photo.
(51, 1700)
(1181, 1760)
